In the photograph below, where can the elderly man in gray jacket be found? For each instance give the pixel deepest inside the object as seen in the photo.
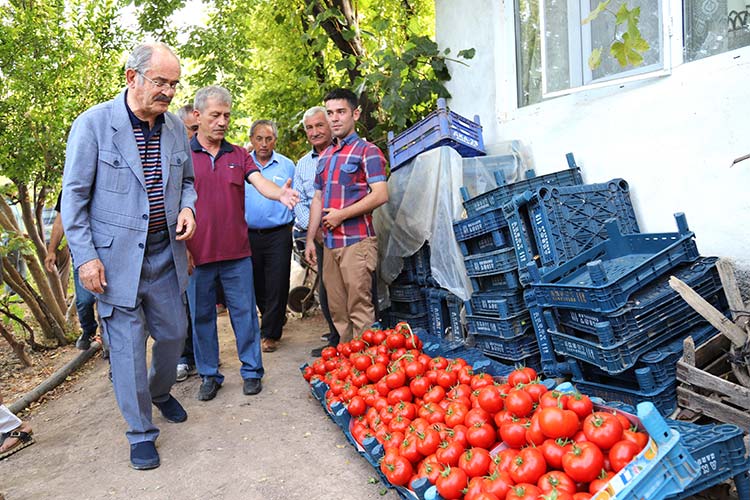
(127, 209)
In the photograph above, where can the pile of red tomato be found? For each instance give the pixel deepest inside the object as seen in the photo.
(437, 419)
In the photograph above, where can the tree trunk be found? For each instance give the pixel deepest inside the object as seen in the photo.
(17, 347)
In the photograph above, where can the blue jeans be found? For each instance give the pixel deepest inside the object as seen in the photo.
(85, 306)
(236, 277)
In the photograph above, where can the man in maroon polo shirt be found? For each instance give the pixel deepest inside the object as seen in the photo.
(220, 248)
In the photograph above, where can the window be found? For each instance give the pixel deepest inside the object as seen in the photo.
(715, 26)
(558, 63)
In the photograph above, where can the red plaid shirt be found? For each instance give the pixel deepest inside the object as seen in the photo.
(345, 171)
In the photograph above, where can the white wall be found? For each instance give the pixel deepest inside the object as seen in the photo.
(672, 138)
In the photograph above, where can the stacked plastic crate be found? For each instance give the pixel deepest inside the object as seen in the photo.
(498, 322)
(599, 296)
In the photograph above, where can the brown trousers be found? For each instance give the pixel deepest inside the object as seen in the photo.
(347, 274)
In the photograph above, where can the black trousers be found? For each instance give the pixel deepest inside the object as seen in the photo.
(272, 257)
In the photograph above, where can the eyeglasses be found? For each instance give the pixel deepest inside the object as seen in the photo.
(161, 85)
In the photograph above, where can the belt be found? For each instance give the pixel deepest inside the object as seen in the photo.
(267, 230)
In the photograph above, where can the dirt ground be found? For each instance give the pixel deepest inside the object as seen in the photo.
(277, 445)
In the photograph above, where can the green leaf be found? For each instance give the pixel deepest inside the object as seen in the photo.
(466, 53)
(595, 58)
(348, 35)
(595, 13)
(623, 14)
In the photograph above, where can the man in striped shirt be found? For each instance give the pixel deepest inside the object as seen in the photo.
(319, 136)
(349, 185)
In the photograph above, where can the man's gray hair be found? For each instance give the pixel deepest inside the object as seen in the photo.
(140, 59)
(268, 123)
(185, 111)
(218, 94)
(312, 112)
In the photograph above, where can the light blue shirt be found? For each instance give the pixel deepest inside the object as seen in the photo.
(304, 177)
(260, 212)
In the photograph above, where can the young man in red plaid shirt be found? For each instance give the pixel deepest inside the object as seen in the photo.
(349, 185)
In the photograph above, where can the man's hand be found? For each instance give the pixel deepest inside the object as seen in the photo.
(92, 276)
(185, 224)
(50, 261)
(333, 218)
(288, 196)
(310, 255)
(190, 263)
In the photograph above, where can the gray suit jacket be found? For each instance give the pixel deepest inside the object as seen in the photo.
(104, 202)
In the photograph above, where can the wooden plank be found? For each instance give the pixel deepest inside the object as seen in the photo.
(688, 351)
(736, 394)
(734, 333)
(732, 291)
(715, 348)
(712, 408)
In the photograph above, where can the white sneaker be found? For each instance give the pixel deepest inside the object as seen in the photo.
(182, 372)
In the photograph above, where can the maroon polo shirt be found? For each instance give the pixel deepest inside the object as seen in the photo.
(221, 231)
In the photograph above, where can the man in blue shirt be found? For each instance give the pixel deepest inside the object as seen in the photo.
(270, 233)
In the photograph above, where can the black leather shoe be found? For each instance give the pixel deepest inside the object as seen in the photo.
(172, 410)
(143, 456)
(208, 389)
(251, 386)
(83, 342)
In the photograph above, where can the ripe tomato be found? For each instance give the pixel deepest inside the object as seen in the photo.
(395, 379)
(449, 452)
(428, 441)
(481, 435)
(434, 395)
(397, 469)
(329, 353)
(554, 399)
(603, 429)
(356, 406)
(556, 480)
(475, 462)
(476, 416)
(375, 372)
(621, 453)
(455, 414)
(638, 437)
(523, 491)
(497, 483)
(522, 376)
(534, 434)
(480, 380)
(582, 495)
(558, 423)
(553, 451)
(536, 390)
(399, 394)
(528, 466)
(581, 405)
(395, 341)
(451, 483)
(430, 468)
(519, 402)
(514, 433)
(490, 399)
(583, 462)
(600, 481)
(446, 378)
(419, 386)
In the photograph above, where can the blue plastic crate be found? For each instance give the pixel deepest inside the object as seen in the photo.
(654, 307)
(603, 277)
(496, 198)
(512, 349)
(504, 282)
(663, 395)
(494, 240)
(405, 293)
(440, 128)
(501, 304)
(414, 307)
(532, 360)
(658, 365)
(472, 227)
(551, 366)
(496, 327)
(499, 261)
(444, 312)
(719, 451)
(415, 320)
(555, 223)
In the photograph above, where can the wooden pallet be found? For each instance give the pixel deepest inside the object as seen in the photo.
(708, 386)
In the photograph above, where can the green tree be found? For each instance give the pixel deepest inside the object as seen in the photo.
(57, 58)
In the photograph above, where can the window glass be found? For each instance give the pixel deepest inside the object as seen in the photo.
(715, 26)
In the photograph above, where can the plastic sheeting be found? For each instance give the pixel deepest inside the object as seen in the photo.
(425, 199)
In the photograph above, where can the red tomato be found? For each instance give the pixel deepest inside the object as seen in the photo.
(446, 378)
(481, 435)
(451, 483)
(329, 353)
(376, 371)
(536, 390)
(522, 376)
(553, 451)
(397, 469)
(556, 480)
(409, 450)
(430, 468)
(528, 466)
(558, 423)
(622, 453)
(434, 395)
(582, 495)
(603, 429)
(356, 406)
(519, 402)
(476, 416)
(581, 405)
(523, 491)
(490, 399)
(503, 460)
(514, 433)
(480, 380)
(638, 437)
(498, 483)
(475, 462)
(419, 386)
(449, 452)
(395, 341)
(600, 481)
(583, 462)
(455, 414)
(534, 434)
